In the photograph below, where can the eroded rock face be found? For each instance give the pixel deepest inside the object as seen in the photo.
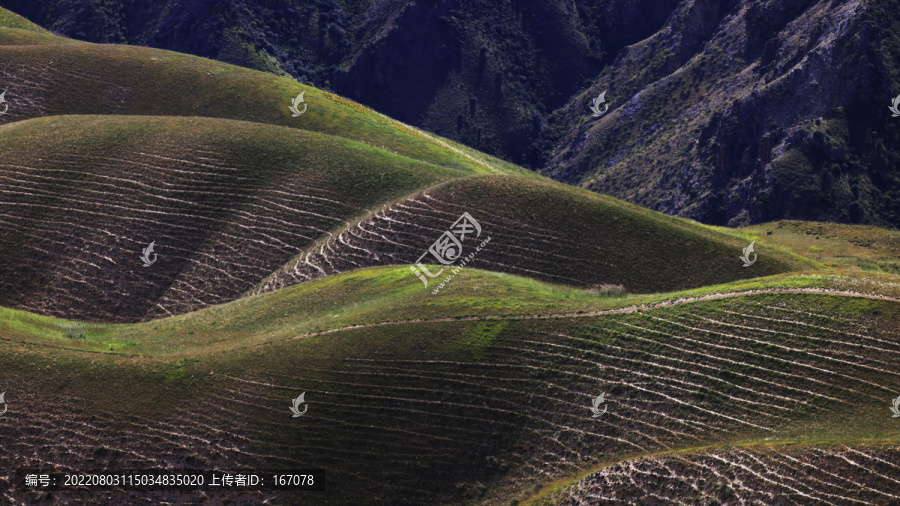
(740, 112)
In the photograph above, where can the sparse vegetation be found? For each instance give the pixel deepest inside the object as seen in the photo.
(284, 249)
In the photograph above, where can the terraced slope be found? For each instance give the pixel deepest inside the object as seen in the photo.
(753, 475)
(480, 395)
(439, 409)
(55, 76)
(228, 203)
(542, 230)
(225, 202)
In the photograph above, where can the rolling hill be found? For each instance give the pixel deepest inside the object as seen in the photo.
(478, 395)
(214, 176)
(68, 77)
(542, 230)
(282, 266)
(730, 112)
(234, 205)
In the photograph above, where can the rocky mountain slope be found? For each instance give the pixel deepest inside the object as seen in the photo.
(746, 112)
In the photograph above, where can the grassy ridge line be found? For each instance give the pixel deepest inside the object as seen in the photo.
(545, 230)
(710, 231)
(745, 235)
(369, 297)
(9, 19)
(82, 78)
(549, 494)
(25, 37)
(405, 398)
(226, 202)
(591, 314)
(863, 247)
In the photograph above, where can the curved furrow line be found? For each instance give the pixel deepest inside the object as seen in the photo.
(495, 400)
(830, 330)
(802, 337)
(718, 380)
(717, 367)
(768, 357)
(731, 349)
(807, 352)
(672, 380)
(821, 485)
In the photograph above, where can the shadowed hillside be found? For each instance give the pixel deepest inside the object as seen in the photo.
(225, 202)
(229, 203)
(443, 410)
(75, 78)
(545, 231)
(183, 263)
(818, 474)
(746, 112)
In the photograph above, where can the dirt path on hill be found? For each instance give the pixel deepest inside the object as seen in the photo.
(629, 309)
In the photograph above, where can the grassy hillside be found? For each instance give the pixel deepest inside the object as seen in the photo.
(283, 250)
(226, 203)
(862, 247)
(24, 37)
(546, 231)
(78, 78)
(420, 63)
(439, 409)
(238, 207)
(9, 19)
(755, 474)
